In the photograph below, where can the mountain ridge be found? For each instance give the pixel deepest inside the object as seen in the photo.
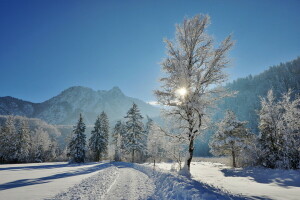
(64, 108)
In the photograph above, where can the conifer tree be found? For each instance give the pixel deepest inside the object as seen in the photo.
(98, 142)
(230, 137)
(23, 143)
(77, 143)
(118, 140)
(134, 134)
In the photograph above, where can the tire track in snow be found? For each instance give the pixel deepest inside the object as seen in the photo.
(130, 184)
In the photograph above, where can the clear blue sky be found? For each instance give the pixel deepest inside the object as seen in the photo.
(47, 46)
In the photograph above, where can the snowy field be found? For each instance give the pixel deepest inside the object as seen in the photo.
(252, 183)
(119, 180)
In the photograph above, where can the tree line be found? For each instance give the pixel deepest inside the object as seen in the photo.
(277, 145)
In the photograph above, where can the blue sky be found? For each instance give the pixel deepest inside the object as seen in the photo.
(47, 46)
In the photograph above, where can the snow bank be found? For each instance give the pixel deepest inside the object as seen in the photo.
(173, 186)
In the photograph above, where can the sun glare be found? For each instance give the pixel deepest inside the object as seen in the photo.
(182, 91)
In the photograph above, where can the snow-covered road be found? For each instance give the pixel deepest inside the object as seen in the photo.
(131, 184)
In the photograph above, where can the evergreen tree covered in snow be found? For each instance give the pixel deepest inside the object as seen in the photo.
(8, 141)
(118, 140)
(98, 142)
(77, 143)
(230, 138)
(279, 126)
(192, 67)
(134, 132)
(23, 144)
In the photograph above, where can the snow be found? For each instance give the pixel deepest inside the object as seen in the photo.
(252, 183)
(120, 180)
(42, 180)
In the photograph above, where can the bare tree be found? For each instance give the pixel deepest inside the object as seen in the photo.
(194, 71)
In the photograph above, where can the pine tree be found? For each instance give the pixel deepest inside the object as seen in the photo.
(230, 137)
(118, 140)
(77, 143)
(134, 134)
(98, 142)
(23, 143)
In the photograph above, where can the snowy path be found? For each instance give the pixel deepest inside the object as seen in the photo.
(112, 183)
(130, 184)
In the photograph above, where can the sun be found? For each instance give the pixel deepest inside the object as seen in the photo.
(182, 91)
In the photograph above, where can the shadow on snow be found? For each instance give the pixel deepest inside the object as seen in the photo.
(27, 182)
(284, 178)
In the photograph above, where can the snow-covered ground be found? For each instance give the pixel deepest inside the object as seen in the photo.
(119, 180)
(252, 183)
(42, 180)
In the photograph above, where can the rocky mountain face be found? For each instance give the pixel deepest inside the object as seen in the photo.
(64, 108)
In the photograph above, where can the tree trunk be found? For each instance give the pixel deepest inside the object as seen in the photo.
(191, 152)
(154, 163)
(233, 158)
(132, 159)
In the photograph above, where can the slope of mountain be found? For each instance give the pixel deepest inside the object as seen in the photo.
(65, 108)
(246, 103)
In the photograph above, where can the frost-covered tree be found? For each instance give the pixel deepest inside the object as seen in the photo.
(98, 142)
(8, 141)
(231, 137)
(118, 140)
(23, 143)
(279, 127)
(194, 68)
(77, 144)
(156, 142)
(43, 149)
(134, 132)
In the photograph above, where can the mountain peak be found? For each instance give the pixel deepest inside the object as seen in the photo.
(116, 90)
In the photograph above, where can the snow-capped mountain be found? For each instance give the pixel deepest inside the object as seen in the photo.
(65, 107)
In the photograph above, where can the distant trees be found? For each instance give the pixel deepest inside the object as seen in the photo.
(279, 127)
(20, 143)
(77, 144)
(246, 102)
(23, 142)
(192, 67)
(230, 138)
(156, 142)
(98, 142)
(118, 139)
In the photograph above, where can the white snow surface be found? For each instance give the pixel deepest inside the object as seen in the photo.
(42, 180)
(115, 180)
(248, 183)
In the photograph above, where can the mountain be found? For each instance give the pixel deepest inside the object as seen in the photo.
(64, 108)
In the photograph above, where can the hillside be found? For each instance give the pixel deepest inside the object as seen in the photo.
(247, 101)
(64, 108)
(280, 78)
